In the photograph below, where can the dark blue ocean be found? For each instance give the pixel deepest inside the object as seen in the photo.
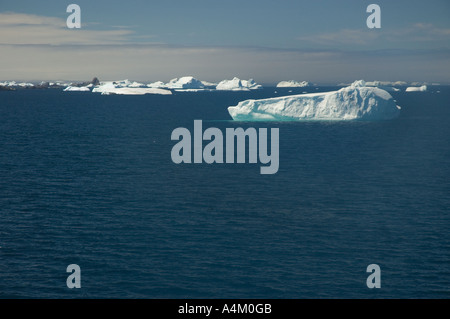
(88, 179)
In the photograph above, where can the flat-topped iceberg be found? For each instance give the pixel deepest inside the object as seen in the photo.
(237, 84)
(127, 87)
(355, 102)
(422, 88)
(292, 84)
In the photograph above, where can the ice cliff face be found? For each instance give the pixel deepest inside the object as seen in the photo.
(355, 102)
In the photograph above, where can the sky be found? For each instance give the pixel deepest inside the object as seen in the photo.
(321, 41)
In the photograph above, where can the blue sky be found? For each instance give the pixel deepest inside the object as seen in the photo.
(318, 41)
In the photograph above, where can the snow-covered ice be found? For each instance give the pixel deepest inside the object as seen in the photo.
(209, 85)
(387, 86)
(292, 84)
(237, 84)
(185, 82)
(157, 84)
(422, 88)
(127, 88)
(385, 83)
(355, 102)
(77, 89)
(15, 84)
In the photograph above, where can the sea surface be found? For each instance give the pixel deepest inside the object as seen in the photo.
(88, 179)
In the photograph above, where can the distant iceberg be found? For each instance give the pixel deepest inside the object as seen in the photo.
(292, 84)
(15, 84)
(237, 84)
(386, 83)
(77, 89)
(209, 85)
(157, 84)
(127, 87)
(185, 82)
(387, 86)
(355, 102)
(422, 88)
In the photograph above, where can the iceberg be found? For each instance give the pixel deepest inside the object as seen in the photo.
(127, 88)
(209, 85)
(422, 88)
(418, 83)
(237, 84)
(292, 84)
(386, 83)
(129, 84)
(77, 89)
(185, 82)
(387, 86)
(157, 84)
(355, 102)
(15, 84)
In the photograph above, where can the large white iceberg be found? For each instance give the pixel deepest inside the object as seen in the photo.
(237, 84)
(355, 102)
(127, 87)
(422, 88)
(292, 84)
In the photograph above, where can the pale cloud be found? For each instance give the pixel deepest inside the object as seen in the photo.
(365, 37)
(423, 32)
(42, 48)
(345, 36)
(17, 19)
(24, 29)
(161, 62)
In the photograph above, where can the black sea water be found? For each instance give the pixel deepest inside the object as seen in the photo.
(87, 179)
